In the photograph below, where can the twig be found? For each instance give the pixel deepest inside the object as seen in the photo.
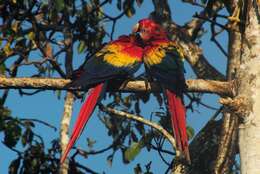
(39, 121)
(21, 92)
(213, 37)
(211, 21)
(13, 149)
(159, 152)
(162, 150)
(86, 168)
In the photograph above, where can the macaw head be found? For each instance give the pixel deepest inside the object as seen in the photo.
(148, 29)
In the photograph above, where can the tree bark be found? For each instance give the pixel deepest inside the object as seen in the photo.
(198, 85)
(64, 129)
(249, 88)
(227, 143)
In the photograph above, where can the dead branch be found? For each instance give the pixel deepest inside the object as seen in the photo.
(198, 85)
(144, 121)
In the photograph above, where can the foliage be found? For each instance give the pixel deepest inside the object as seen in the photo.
(33, 157)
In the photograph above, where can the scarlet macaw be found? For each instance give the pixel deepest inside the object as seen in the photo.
(163, 62)
(118, 59)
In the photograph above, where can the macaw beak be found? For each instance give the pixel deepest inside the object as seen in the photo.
(135, 28)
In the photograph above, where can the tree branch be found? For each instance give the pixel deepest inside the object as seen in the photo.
(198, 85)
(144, 121)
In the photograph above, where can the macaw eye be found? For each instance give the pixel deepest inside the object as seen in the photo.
(143, 30)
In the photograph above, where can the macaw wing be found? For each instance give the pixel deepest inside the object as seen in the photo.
(117, 59)
(165, 63)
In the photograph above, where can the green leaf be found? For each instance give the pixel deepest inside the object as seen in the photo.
(127, 101)
(58, 94)
(31, 36)
(110, 159)
(81, 47)
(138, 169)
(12, 133)
(137, 107)
(2, 124)
(144, 97)
(190, 132)
(2, 68)
(203, 1)
(132, 151)
(59, 5)
(27, 137)
(7, 49)
(91, 142)
(128, 8)
(130, 12)
(13, 168)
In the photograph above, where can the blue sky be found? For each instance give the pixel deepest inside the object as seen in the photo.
(47, 107)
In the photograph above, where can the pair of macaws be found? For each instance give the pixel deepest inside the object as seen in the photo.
(147, 44)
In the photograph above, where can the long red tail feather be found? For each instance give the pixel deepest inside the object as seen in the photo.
(178, 113)
(83, 117)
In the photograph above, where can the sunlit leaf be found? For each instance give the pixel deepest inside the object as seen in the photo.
(81, 47)
(88, 8)
(31, 36)
(128, 8)
(130, 12)
(90, 142)
(127, 101)
(190, 132)
(117, 99)
(132, 151)
(48, 50)
(7, 49)
(15, 26)
(110, 159)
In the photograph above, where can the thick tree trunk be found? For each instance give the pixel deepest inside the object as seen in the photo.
(249, 90)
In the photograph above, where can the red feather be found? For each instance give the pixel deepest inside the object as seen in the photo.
(84, 115)
(178, 118)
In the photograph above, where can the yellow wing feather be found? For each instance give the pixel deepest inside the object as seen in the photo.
(157, 53)
(115, 55)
